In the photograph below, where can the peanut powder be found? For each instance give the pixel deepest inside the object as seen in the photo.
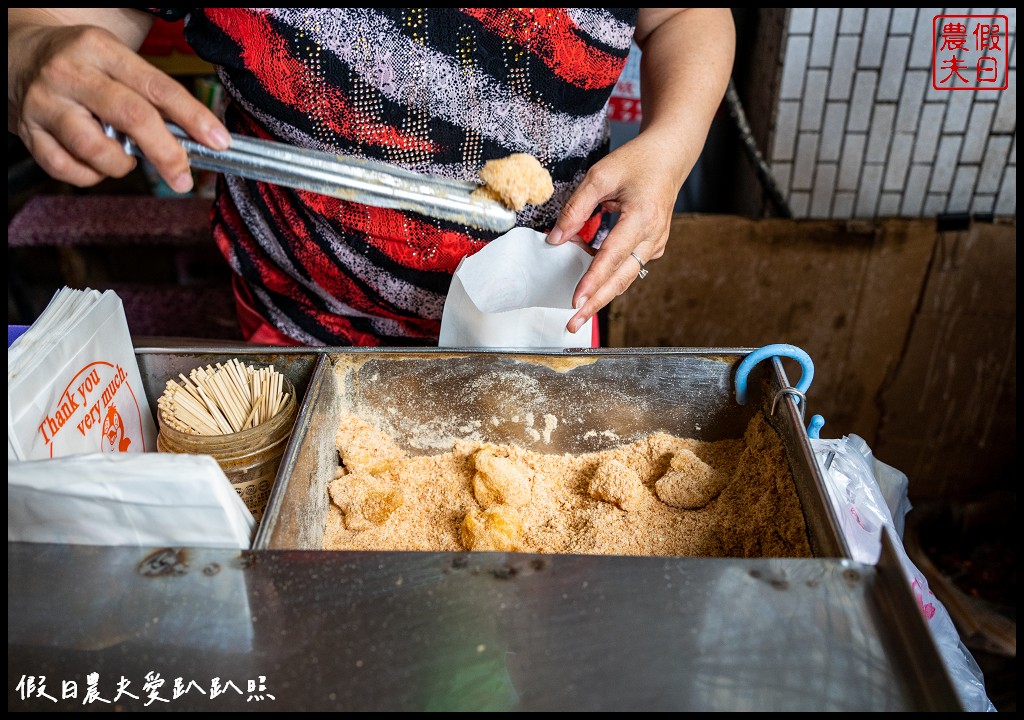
(661, 495)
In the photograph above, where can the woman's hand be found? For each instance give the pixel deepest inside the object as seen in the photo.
(638, 181)
(686, 61)
(69, 71)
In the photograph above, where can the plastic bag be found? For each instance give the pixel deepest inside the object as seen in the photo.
(869, 497)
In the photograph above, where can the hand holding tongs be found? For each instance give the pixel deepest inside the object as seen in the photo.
(348, 178)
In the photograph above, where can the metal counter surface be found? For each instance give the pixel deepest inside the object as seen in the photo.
(317, 630)
(288, 627)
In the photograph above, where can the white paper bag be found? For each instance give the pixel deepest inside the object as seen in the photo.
(126, 499)
(516, 293)
(73, 382)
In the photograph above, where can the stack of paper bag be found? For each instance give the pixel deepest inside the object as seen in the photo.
(73, 383)
(82, 466)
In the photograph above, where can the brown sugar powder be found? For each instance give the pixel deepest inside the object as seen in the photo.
(485, 496)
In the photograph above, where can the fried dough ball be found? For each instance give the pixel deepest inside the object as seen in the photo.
(517, 180)
(498, 529)
(365, 499)
(690, 483)
(365, 447)
(615, 482)
(500, 480)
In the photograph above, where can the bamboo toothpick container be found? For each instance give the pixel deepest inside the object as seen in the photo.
(240, 415)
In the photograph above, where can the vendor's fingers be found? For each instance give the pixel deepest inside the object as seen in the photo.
(131, 112)
(58, 162)
(625, 237)
(171, 100)
(617, 264)
(90, 77)
(610, 274)
(577, 240)
(595, 189)
(609, 288)
(143, 124)
(78, 134)
(182, 108)
(136, 98)
(117, 67)
(84, 137)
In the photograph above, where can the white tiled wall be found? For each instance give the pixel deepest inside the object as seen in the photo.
(860, 131)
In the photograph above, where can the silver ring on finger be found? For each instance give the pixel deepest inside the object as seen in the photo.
(643, 267)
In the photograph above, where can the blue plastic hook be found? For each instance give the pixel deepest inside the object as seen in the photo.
(814, 428)
(779, 350)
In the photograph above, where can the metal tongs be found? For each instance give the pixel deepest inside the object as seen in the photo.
(347, 178)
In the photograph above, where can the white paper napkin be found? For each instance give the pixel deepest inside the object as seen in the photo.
(126, 499)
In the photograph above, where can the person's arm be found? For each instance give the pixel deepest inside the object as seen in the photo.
(69, 70)
(686, 61)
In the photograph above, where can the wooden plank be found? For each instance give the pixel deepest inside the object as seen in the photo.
(950, 409)
(843, 292)
(912, 333)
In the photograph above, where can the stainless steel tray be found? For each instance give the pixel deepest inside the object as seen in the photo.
(603, 398)
(407, 631)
